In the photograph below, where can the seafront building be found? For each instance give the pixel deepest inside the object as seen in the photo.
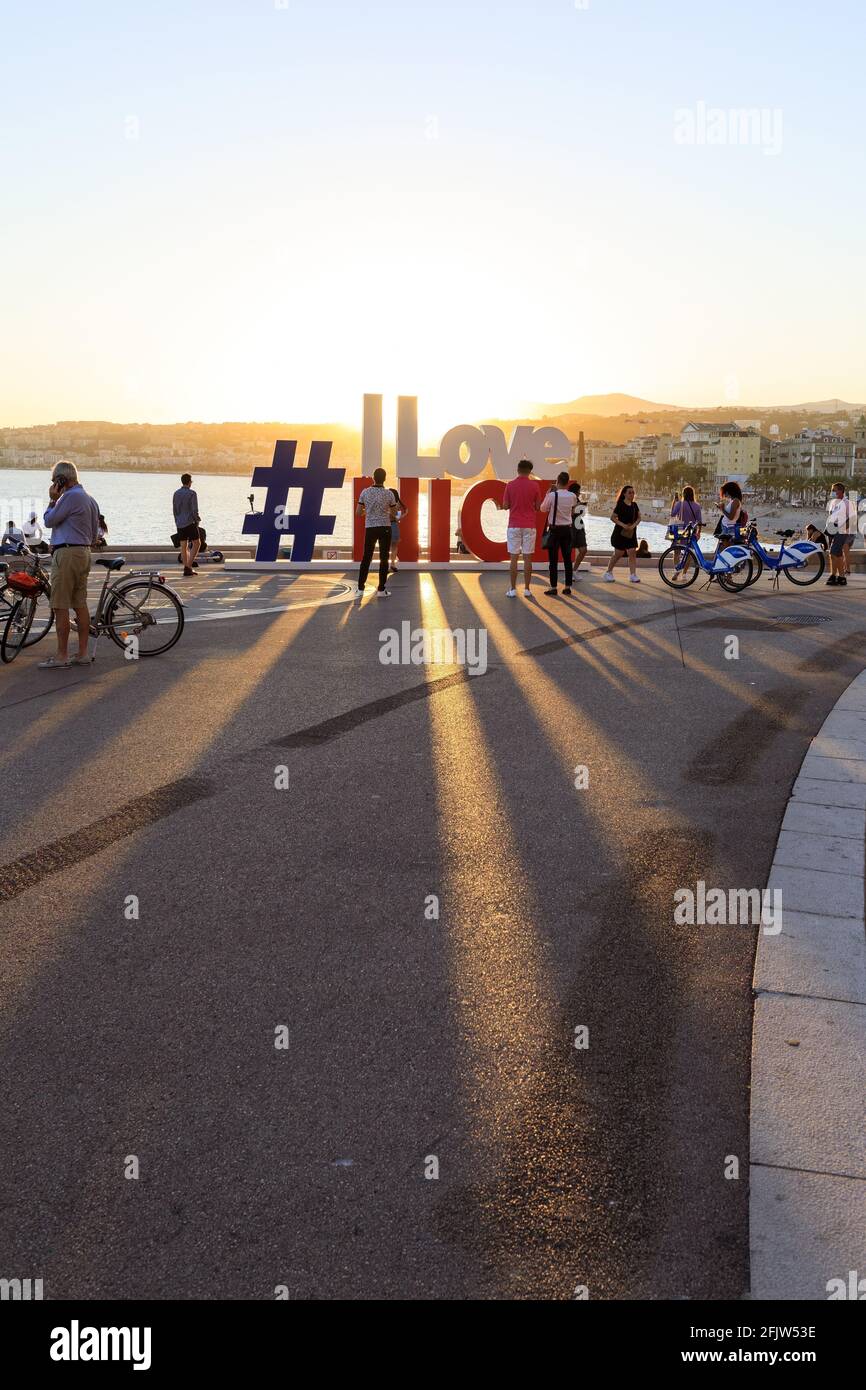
(812, 453)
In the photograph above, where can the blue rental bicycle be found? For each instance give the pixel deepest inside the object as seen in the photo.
(803, 562)
(731, 567)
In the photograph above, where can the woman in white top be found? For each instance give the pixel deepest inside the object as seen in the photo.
(559, 504)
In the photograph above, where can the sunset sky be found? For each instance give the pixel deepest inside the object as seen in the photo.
(243, 211)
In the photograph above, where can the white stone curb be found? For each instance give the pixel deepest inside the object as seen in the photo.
(808, 1138)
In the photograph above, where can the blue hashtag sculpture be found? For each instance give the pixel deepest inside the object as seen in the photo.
(308, 522)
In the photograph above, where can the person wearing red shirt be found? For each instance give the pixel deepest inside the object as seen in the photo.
(521, 500)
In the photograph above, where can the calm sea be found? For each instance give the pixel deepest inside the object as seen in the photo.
(137, 507)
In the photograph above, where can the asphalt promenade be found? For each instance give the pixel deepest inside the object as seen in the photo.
(503, 1070)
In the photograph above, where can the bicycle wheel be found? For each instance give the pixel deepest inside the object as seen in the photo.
(738, 579)
(809, 573)
(17, 627)
(43, 620)
(757, 567)
(678, 567)
(147, 612)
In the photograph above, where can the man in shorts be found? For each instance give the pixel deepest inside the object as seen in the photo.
(841, 527)
(186, 520)
(521, 499)
(73, 518)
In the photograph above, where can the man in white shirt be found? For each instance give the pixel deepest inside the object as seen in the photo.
(559, 504)
(841, 527)
(33, 533)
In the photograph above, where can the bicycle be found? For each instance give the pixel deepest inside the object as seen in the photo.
(37, 623)
(683, 561)
(129, 610)
(790, 559)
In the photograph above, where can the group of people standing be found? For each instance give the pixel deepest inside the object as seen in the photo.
(564, 536)
(838, 536)
(382, 509)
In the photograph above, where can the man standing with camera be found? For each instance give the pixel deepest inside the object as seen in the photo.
(73, 518)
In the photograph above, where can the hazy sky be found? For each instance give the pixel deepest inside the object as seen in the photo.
(238, 210)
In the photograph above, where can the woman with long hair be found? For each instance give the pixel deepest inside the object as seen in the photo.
(689, 511)
(625, 517)
(733, 515)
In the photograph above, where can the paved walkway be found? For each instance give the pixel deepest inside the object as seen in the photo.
(433, 913)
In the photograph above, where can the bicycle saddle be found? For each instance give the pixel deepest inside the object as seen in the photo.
(786, 534)
(116, 564)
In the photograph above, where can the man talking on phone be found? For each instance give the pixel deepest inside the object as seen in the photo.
(73, 518)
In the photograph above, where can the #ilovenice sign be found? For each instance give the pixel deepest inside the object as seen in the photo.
(464, 452)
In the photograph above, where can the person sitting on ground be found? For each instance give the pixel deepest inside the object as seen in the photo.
(33, 535)
(12, 540)
(101, 541)
(643, 550)
(626, 518)
(819, 537)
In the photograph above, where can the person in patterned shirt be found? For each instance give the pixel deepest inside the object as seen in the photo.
(376, 506)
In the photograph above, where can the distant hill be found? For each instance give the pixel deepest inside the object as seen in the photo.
(616, 403)
(824, 407)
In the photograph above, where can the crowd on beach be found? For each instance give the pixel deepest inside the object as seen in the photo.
(564, 536)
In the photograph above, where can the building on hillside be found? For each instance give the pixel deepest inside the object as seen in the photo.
(650, 451)
(723, 451)
(765, 463)
(736, 455)
(812, 453)
(602, 455)
(695, 432)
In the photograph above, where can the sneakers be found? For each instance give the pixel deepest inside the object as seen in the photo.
(548, 592)
(527, 593)
(52, 664)
(833, 579)
(608, 577)
(566, 593)
(383, 593)
(359, 591)
(634, 579)
(186, 571)
(511, 593)
(841, 581)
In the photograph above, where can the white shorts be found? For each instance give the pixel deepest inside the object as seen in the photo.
(521, 538)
